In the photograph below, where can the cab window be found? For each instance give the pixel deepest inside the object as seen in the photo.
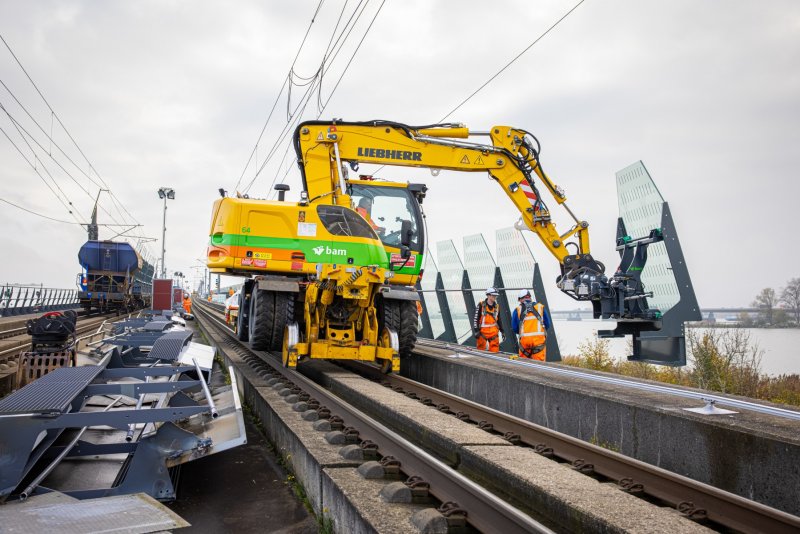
(342, 221)
(385, 209)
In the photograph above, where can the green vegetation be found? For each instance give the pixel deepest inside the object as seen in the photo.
(721, 360)
(594, 440)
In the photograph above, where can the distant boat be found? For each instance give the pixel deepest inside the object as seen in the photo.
(574, 316)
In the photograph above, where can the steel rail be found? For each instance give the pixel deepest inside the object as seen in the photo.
(486, 511)
(80, 328)
(722, 507)
(652, 388)
(11, 332)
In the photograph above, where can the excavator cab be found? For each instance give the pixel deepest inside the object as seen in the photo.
(393, 210)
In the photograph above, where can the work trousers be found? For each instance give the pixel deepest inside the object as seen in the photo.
(489, 339)
(533, 348)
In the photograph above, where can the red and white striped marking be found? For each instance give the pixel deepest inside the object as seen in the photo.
(526, 188)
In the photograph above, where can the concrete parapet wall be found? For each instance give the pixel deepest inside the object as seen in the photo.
(750, 454)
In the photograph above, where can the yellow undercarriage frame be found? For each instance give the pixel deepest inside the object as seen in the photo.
(348, 293)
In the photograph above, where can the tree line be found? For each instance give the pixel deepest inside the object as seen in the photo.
(776, 309)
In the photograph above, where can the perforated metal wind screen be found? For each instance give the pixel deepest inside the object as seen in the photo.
(640, 206)
(516, 262)
(452, 272)
(479, 264)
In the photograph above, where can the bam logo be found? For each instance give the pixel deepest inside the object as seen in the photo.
(328, 250)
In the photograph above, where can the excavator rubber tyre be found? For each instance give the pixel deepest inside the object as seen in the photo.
(270, 312)
(402, 317)
(242, 326)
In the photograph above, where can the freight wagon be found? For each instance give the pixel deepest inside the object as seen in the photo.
(113, 277)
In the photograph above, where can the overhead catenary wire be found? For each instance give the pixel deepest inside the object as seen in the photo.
(36, 170)
(324, 67)
(66, 202)
(495, 75)
(80, 186)
(328, 48)
(278, 97)
(69, 204)
(352, 57)
(322, 109)
(48, 136)
(115, 200)
(23, 208)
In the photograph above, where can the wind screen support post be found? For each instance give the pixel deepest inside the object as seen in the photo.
(426, 330)
(449, 333)
(469, 302)
(509, 344)
(553, 351)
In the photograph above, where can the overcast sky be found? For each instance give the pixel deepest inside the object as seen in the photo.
(175, 94)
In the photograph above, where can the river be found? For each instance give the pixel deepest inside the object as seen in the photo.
(780, 346)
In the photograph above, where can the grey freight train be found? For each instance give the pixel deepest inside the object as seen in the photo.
(113, 277)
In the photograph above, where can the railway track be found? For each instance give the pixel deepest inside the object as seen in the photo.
(17, 337)
(485, 511)
(713, 507)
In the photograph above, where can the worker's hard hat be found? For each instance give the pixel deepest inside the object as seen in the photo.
(491, 291)
(523, 293)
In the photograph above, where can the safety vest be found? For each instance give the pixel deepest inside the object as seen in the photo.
(489, 316)
(363, 212)
(529, 324)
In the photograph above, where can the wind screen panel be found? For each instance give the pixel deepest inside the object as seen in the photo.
(516, 262)
(640, 207)
(429, 297)
(480, 265)
(452, 271)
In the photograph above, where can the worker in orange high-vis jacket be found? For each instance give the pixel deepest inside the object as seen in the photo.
(365, 210)
(486, 325)
(187, 303)
(530, 322)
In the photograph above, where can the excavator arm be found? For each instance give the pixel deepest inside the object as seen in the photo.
(511, 160)
(325, 149)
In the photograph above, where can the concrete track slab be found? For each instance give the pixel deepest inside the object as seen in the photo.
(544, 488)
(753, 455)
(438, 432)
(354, 504)
(318, 465)
(576, 502)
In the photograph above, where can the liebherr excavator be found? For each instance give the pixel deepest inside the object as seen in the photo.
(332, 276)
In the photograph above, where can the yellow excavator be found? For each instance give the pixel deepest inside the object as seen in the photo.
(333, 276)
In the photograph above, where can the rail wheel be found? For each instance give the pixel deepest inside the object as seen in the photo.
(388, 339)
(291, 336)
